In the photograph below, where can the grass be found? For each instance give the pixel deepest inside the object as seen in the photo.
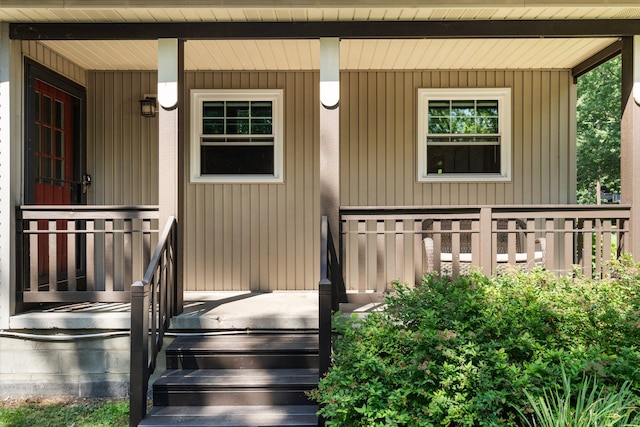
(64, 412)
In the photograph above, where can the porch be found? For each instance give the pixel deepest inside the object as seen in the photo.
(92, 254)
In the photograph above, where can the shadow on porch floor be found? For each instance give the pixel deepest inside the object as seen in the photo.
(202, 310)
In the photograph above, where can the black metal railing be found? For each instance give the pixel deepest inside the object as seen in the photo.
(154, 300)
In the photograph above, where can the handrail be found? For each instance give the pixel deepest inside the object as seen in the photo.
(325, 300)
(153, 303)
(328, 288)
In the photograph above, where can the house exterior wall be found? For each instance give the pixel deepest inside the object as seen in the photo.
(50, 59)
(263, 237)
(378, 139)
(122, 146)
(259, 237)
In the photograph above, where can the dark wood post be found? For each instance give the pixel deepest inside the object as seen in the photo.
(139, 353)
(630, 140)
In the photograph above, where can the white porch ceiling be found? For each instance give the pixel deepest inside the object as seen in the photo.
(312, 10)
(410, 54)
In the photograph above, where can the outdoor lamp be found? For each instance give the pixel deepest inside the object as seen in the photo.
(148, 106)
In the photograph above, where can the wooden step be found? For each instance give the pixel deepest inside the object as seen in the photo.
(246, 351)
(224, 387)
(233, 416)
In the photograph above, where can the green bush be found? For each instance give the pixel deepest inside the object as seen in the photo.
(464, 352)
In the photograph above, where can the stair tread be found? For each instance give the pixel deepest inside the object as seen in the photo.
(246, 342)
(233, 416)
(238, 377)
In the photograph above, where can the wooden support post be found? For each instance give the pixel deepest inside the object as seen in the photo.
(329, 132)
(630, 139)
(139, 357)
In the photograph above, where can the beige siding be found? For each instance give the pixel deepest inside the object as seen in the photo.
(122, 146)
(378, 141)
(42, 54)
(264, 237)
(260, 237)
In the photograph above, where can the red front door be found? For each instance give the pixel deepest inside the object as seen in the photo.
(52, 149)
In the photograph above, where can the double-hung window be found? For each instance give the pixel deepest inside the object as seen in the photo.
(236, 135)
(464, 134)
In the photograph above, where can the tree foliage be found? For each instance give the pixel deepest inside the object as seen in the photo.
(598, 145)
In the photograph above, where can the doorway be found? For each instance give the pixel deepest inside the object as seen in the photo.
(54, 155)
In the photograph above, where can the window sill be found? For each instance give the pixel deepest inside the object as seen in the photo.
(433, 178)
(237, 179)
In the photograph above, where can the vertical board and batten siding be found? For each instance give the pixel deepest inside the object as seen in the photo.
(259, 237)
(378, 139)
(122, 146)
(50, 59)
(264, 237)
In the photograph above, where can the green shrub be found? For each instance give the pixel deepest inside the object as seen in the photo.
(464, 352)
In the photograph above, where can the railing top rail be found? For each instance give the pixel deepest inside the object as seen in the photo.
(88, 212)
(157, 254)
(477, 208)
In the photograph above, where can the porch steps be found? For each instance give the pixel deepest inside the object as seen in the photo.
(237, 381)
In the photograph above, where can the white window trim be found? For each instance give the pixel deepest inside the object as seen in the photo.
(503, 95)
(274, 95)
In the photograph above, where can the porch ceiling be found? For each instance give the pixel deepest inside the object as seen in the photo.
(310, 10)
(412, 54)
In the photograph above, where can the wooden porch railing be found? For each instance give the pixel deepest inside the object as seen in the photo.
(154, 301)
(381, 245)
(83, 253)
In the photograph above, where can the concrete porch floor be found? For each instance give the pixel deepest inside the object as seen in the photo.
(250, 310)
(293, 310)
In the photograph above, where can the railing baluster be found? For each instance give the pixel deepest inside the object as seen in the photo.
(587, 249)
(455, 248)
(91, 255)
(606, 244)
(53, 256)
(550, 237)
(33, 257)
(71, 257)
(108, 256)
(127, 253)
(389, 227)
(371, 258)
(437, 245)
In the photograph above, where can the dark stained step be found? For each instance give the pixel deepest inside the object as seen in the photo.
(233, 416)
(245, 351)
(224, 387)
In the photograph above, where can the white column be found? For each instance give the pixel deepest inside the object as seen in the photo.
(330, 131)
(171, 137)
(9, 170)
(170, 70)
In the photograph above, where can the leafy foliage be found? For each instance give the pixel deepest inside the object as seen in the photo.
(464, 352)
(587, 405)
(598, 146)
